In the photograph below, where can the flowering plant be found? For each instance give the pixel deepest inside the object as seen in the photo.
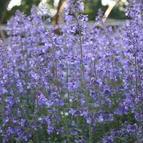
(84, 84)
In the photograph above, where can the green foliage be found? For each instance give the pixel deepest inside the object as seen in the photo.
(3, 6)
(25, 7)
(92, 7)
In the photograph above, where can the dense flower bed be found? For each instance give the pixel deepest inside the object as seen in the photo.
(83, 84)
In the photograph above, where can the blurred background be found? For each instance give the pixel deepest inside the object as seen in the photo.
(54, 8)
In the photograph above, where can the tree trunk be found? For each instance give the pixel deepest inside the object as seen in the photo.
(58, 17)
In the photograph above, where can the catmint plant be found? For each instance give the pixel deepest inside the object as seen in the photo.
(82, 85)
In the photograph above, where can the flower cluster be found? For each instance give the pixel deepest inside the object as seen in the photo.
(84, 84)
